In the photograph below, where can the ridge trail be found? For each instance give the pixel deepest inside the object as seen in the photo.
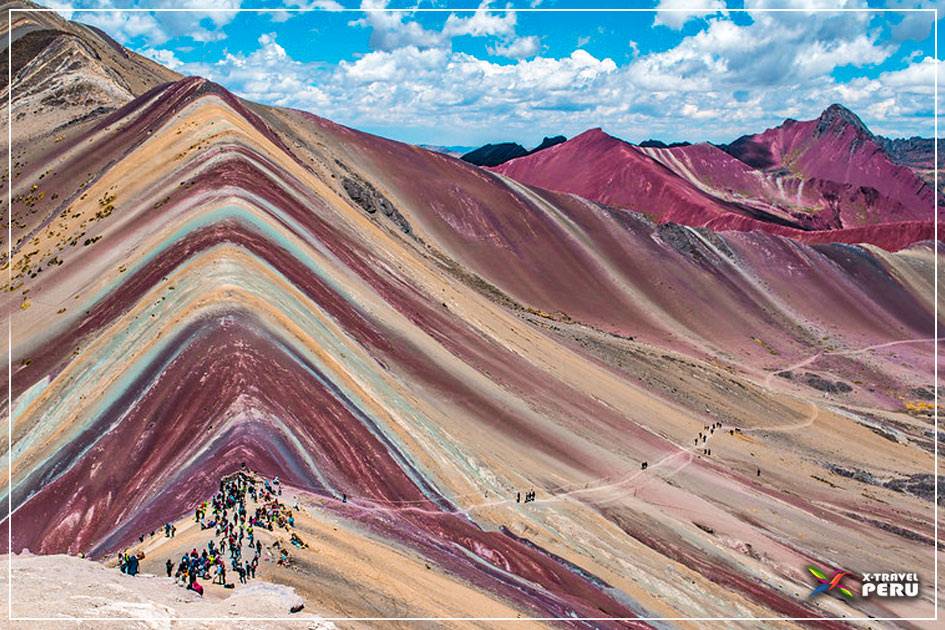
(687, 452)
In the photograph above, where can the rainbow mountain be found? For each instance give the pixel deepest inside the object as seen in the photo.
(410, 343)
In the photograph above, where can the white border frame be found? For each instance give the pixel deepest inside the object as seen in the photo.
(10, 510)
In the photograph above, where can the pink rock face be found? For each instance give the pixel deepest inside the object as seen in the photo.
(838, 148)
(818, 181)
(605, 169)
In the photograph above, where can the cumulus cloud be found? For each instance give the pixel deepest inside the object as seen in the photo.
(520, 48)
(918, 77)
(166, 58)
(725, 78)
(776, 49)
(481, 23)
(409, 83)
(389, 30)
(300, 7)
(675, 13)
(154, 28)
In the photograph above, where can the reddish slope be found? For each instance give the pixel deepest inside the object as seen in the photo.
(837, 147)
(603, 168)
(818, 181)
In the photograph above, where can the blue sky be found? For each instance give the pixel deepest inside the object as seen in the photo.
(487, 74)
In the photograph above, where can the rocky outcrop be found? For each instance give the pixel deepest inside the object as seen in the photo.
(370, 200)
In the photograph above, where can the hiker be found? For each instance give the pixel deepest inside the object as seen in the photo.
(759, 472)
(196, 587)
(518, 497)
(643, 466)
(242, 573)
(170, 567)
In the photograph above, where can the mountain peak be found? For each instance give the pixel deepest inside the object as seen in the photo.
(549, 141)
(837, 117)
(593, 135)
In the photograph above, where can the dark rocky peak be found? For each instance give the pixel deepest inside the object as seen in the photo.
(494, 154)
(838, 118)
(659, 144)
(549, 141)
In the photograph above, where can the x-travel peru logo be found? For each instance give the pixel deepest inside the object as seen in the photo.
(545, 314)
(826, 584)
(880, 585)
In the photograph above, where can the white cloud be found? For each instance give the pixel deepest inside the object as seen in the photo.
(917, 77)
(408, 84)
(389, 31)
(776, 49)
(157, 28)
(324, 5)
(481, 23)
(520, 48)
(725, 79)
(164, 57)
(675, 13)
(311, 5)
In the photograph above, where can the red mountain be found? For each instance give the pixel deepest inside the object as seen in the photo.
(820, 180)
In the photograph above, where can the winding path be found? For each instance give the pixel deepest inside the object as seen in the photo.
(684, 452)
(812, 358)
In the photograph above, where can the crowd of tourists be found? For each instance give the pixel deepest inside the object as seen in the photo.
(236, 513)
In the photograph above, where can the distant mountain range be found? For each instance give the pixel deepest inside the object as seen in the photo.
(828, 179)
(916, 152)
(495, 154)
